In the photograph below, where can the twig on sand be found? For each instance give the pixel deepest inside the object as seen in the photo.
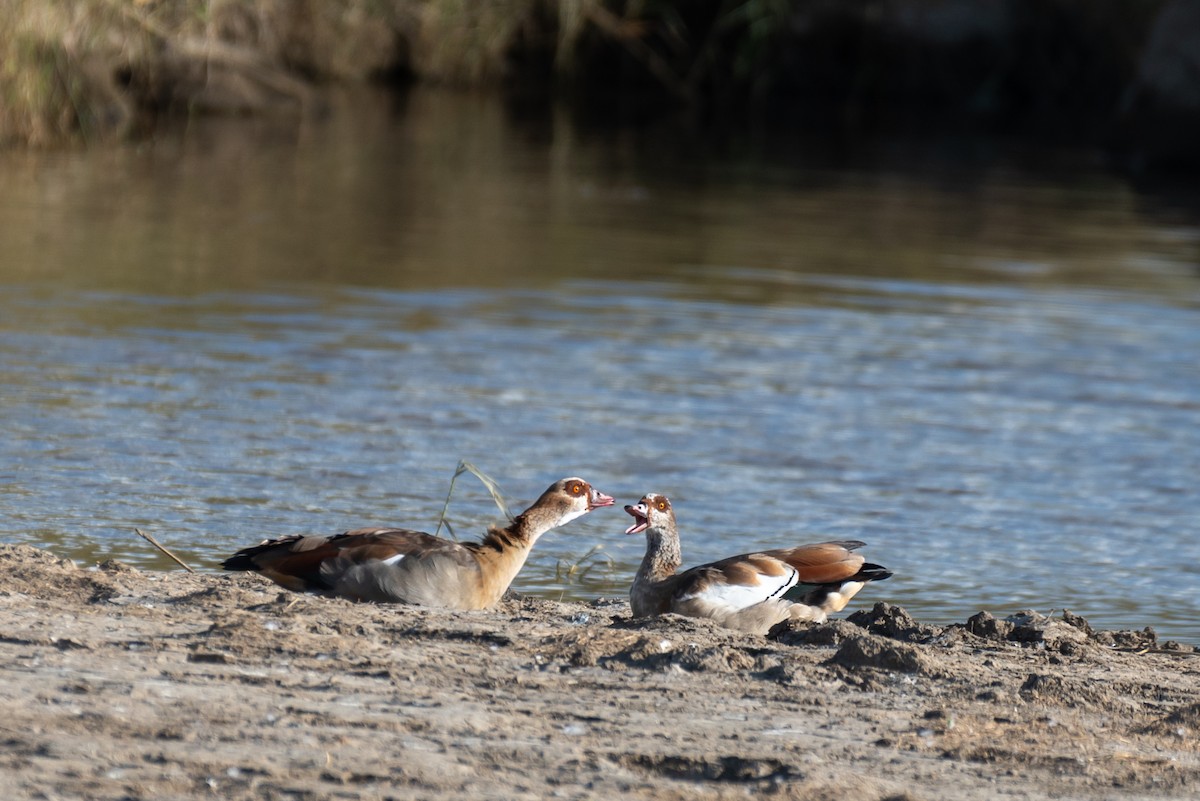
(492, 488)
(163, 548)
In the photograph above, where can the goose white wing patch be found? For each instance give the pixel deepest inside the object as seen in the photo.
(739, 596)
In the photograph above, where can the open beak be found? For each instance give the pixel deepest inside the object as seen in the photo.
(597, 499)
(640, 519)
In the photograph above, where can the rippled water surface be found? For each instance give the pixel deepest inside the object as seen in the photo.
(984, 363)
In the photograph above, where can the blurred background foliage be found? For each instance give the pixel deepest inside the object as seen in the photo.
(1113, 71)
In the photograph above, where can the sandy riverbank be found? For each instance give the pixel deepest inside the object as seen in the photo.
(122, 684)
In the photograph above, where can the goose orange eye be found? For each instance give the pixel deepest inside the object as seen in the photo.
(576, 489)
(662, 506)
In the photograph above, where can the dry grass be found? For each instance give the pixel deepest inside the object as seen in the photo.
(490, 483)
(576, 569)
(49, 54)
(90, 68)
(467, 42)
(93, 69)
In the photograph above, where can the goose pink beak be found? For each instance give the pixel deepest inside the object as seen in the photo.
(598, 499)
(640, 520)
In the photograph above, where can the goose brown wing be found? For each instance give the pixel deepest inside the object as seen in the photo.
(822, 562)
(297, 562)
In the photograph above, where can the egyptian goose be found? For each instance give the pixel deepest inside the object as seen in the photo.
(742, 592)
(395, 565)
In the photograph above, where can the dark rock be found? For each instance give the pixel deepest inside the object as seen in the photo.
(984, 624)
(893, 621)
(1079, 622)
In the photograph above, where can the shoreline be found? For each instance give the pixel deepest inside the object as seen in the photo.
(120, 683)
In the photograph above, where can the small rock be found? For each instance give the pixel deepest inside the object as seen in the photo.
(1026, 617)
(68, 643)
(984, 624)
(1078, 621)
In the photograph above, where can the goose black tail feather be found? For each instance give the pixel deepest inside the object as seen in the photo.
(871, 572)
(815, 595)
(244, 559)
(239, 561)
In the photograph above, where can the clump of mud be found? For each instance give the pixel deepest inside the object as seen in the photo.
(40, 574)
(1068, 634)
(895, 623)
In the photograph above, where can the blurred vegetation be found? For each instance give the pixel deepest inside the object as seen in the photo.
(102, 68)
(99, 68)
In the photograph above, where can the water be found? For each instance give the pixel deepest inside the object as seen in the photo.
(984, 364)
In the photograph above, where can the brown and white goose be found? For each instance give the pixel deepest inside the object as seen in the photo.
(395, 565)
(742, 592)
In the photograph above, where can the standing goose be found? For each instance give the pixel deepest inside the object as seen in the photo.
(742, 592)
(395, 565)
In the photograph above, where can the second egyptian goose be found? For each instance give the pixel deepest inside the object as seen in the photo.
(742, 592)
(395, 565)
